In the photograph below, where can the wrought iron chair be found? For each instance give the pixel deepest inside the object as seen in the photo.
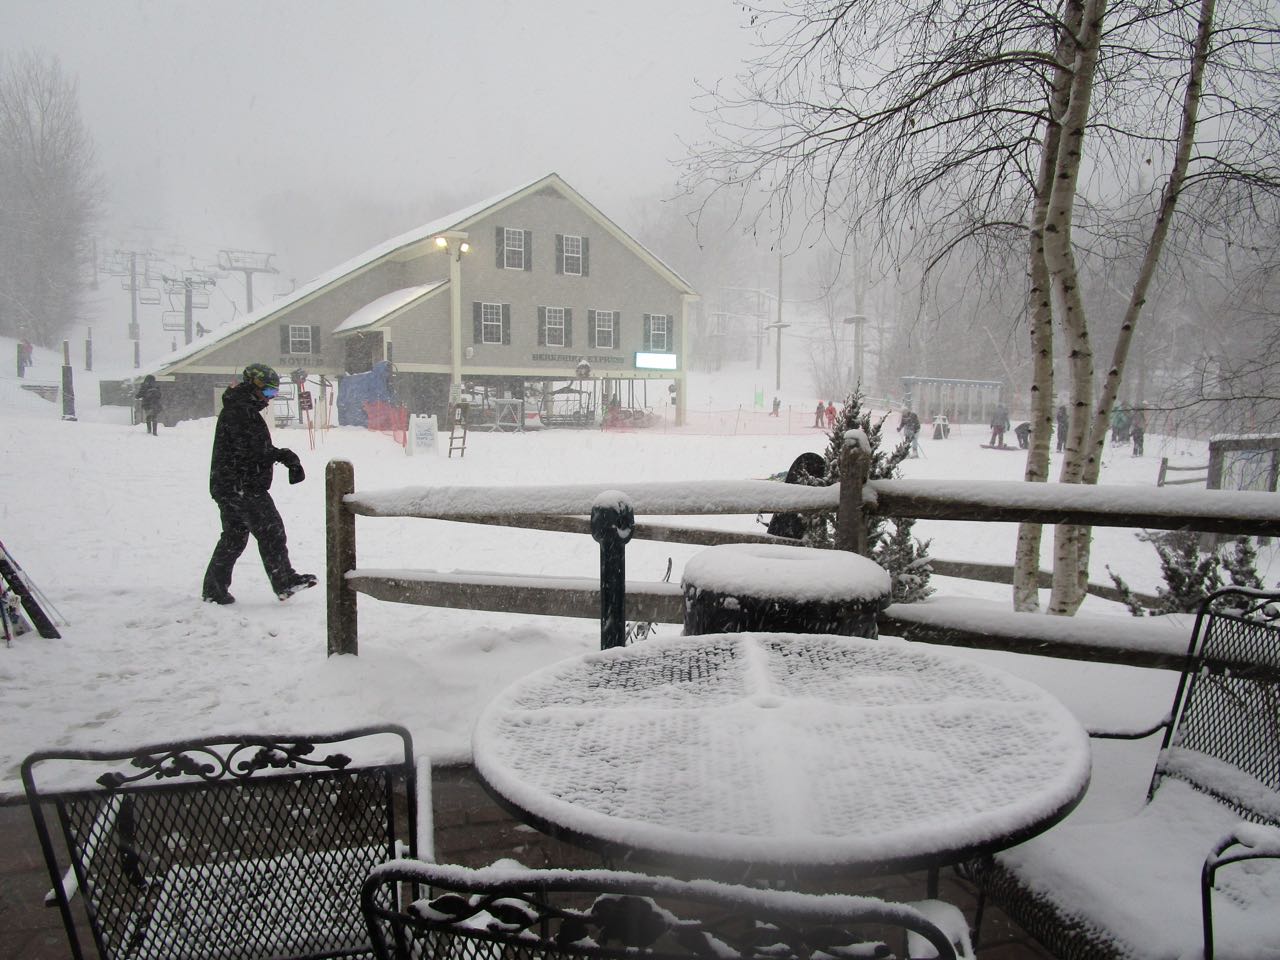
(1213, 802)
(514, 913)
(238, 847)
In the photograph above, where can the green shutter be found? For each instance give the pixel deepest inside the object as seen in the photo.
(284, 338)
(542, 326)
(506, 323)
(476, 323)
(568, 327)
(500, 241)
(591, 329)
(648, 332)
(584, 257)
(617, 329)
(528, 249)
(315, 338)
(560, 253)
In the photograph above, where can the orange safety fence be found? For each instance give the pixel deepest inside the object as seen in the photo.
(388, 418)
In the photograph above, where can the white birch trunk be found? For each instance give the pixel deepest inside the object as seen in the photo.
(1067, 591)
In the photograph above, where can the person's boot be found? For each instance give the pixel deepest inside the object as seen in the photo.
(297, 582)
(224, 598)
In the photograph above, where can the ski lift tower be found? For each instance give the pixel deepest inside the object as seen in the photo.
(247, 262)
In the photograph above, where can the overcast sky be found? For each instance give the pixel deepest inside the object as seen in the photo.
(315, 128)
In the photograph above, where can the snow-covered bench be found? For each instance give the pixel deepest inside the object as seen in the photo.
(1198, 867)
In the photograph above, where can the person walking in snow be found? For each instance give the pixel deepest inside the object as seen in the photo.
(831, 414)
(1138, 429)
(818, 414)
(999, 424)
(777, 405)
(149, 395)
(1063, 423)
(909, 426)
(240, 484)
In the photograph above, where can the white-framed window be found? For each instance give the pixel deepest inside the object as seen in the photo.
(490, 323)
(513, 247)
(659, 332)
(555, 327)
(573, 255)
(299, 338)
(605, 327)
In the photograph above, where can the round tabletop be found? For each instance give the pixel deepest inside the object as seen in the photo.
(783, 751)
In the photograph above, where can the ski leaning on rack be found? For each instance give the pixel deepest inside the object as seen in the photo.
(14, 576)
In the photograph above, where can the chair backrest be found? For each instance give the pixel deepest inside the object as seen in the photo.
(238, 846)
(1224, 738)
(521, 914)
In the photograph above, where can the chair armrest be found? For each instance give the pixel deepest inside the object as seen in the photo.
(1254, 842)
(102, 827)
(1140, 733)
(424, 814)
(948, 918)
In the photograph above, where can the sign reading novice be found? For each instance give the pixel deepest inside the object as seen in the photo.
(422, 434)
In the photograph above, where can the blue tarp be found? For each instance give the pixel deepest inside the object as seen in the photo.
(357, 389)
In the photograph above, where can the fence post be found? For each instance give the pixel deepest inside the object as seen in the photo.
(612, 522)
(340, 556)
(851, 530)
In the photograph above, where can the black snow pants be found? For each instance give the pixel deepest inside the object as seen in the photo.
(254, 513)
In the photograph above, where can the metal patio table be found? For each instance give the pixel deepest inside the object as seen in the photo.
(782, 755)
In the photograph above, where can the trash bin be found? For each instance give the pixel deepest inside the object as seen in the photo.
(740, 587)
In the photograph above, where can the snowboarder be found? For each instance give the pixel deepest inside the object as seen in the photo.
(149, 395)
(1023, 432)
(909, 427)
(831, 414)
(1063, 423)
(818, 414)
(240, 484)
(999, 424)
(1138, 429)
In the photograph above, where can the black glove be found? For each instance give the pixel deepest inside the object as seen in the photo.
(296, 474)
(287, 457)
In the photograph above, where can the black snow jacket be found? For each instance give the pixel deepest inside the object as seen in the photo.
(149, 394)
(243, 456)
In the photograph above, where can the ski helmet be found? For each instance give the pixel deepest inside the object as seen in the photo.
(261, 376)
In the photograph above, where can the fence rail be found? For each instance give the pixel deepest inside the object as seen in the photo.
(567, 507)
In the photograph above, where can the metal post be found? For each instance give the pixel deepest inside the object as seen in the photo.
(68, 384)
(186, 310)
(340, 556)
(88, 350)
(612, 523)
(22, 360)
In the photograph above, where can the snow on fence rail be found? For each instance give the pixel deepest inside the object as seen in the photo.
(567, 508)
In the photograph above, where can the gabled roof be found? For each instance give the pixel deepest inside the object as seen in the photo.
(385, 307)
(398, 248)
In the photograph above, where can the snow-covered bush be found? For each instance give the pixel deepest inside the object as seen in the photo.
(889, 539)
(1189, 575)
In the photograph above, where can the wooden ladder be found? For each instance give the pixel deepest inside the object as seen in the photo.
(458, 429)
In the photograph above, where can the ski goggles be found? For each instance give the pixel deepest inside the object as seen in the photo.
(270, 392)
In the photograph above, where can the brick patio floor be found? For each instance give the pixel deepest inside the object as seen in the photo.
(470, 829)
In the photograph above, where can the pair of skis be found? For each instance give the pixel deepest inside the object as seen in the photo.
(27, 595)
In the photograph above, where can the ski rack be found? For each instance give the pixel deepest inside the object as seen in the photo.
(18, 582)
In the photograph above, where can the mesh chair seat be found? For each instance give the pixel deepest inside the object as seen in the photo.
(1157, 885)
(449, 912)
(234, 848)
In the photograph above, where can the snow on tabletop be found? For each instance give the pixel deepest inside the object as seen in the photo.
(796, 573)
(1138, 878)
(785, 749)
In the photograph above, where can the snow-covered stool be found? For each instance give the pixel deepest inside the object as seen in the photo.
(737, 587)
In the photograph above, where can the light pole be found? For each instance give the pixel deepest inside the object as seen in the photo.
(857, 321)
(454, 244)
(779, 326)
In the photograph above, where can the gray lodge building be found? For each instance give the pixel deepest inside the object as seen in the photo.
(522, 288)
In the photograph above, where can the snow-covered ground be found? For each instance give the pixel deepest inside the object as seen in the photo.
(116, 527)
